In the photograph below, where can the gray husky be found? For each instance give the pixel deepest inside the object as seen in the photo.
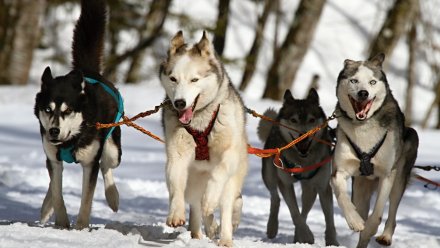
(301, 115)
(374, 147)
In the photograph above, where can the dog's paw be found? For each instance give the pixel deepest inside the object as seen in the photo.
(196, 235)
(62, 222)
(211, 229)
(80, 225)
(304, 236)
(175, 220)
(112, 197)
(355, 221)
(225, 242)
(384, 240)
(272, 228)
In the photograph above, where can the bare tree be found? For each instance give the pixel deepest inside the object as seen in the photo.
(221, 26)
(411, 76)
(396, 24)
(19, 36)
(288, 58)
(252, 57)
(153, 25)
(154, 21)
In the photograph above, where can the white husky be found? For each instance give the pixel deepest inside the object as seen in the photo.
(374, 147)
(205, 138)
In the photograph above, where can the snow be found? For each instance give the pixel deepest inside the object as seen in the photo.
(343, 32)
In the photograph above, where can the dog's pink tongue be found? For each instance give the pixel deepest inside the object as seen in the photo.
(185, 116)
(362, 109)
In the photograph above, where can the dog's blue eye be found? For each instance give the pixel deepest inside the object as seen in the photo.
(194, 80)
(173, 79)
(354, 81)
(373, 82)
(47, 110)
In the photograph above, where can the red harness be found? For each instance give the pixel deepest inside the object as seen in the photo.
(201, 138)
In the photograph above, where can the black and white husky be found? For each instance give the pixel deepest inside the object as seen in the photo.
(374, 146)
(68, 107)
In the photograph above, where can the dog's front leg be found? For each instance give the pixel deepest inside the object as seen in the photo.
(56, 191)
(339, 182)
(176, 176)
(90, 176)
(373, 221)
(47, 207)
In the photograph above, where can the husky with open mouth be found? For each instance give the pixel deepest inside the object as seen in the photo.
(206, 142)
(374, 147)
(300, 115)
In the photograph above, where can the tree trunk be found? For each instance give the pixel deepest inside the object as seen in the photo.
(153, 26)
(19, 36)
(252, 57)
(395, 25)
(289, 57)
(412, 49)
(154, 21)
(222, 25)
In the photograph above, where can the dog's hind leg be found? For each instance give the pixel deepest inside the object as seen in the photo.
(110, 159)
(373, 221)
(326, 200)
(362, 190)
(227, 205)
(236, 213)
(402, 178)
(302, 231)
(90, 176)
(193, 195)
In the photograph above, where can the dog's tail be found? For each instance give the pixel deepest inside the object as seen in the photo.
(264, 127)
(88, 37)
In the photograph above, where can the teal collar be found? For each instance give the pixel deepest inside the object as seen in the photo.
(66, 154)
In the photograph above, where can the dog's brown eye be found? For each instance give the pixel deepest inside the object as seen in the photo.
(68, 111)
(173, 79)
(373, 82)
(194, 80)
(293, 120)
(312, 120)
(354, 81)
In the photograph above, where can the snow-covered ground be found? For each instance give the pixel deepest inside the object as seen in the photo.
(344, 31)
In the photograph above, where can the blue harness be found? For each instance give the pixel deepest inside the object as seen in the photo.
(66, 154)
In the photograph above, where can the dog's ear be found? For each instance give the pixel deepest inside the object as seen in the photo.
(349, 62)
(377, 60)
(176, 42)
(313, 96)
(204, 45)
(77, 79)
(288, 96)
(46, 78)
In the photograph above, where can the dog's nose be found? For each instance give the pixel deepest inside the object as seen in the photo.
(363, 95)
(54, 132)
(179, 104)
